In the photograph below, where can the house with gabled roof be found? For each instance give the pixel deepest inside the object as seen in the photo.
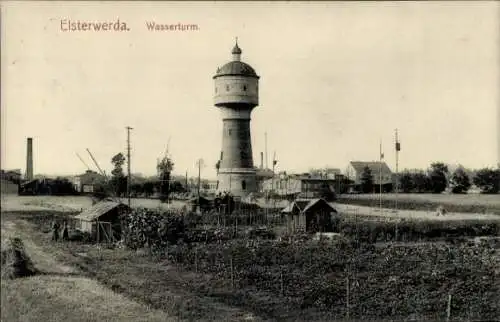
(309, 215)
(381, 174)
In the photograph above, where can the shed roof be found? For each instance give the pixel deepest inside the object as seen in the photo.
(201, 199)
(98, 210)
(303, 205)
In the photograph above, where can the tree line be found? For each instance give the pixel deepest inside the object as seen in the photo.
(438, 178)
(162, 185)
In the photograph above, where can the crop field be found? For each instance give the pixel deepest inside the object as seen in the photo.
(462, 203)
(427, 270)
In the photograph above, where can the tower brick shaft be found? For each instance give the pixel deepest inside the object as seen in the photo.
(29, 159)
(236, 95)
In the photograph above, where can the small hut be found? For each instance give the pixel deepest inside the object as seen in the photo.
(201, 203)
(309, 215)
(102, 220)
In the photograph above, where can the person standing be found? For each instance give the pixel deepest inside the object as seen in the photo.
(55, 231)
(65, 235)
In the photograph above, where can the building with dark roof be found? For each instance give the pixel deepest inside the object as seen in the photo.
(304, 186)
(88, 182)
(381, 174)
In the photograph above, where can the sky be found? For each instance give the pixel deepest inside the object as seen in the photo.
(336, 80)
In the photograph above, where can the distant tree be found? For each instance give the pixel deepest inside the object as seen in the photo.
(137, 189)
(61, 186)
(118, 179)
(366, 180)
(421, 182)
(165, 168)
(406, 182)
(176, 186)
(437, 174)
(488, 180)
(148, 188)
(118, 161)
(460, 182)
(100, 193)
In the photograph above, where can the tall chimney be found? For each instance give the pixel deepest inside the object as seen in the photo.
(262, 160)
(29, 160)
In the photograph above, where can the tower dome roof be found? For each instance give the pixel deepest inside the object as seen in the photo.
(236, 68)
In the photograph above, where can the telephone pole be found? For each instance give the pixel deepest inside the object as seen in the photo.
(200, 163)
(265, 138)
(398, 148)
(380, 176)
(128, 128)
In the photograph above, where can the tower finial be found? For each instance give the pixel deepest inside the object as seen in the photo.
(236, 51)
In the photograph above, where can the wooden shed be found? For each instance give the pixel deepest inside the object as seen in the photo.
(102, 220)
(309, 215)
(203, 203)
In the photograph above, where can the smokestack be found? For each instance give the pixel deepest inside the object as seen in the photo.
(262, 160)
(29, 159)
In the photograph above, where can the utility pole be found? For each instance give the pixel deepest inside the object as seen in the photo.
(265, 137)
(129, 178)
(380, 177)
(200, 163)
(398, 148)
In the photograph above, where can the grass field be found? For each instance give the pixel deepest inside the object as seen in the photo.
(463, 203)
(13, 202)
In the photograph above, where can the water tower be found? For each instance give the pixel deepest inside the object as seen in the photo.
(236, 95)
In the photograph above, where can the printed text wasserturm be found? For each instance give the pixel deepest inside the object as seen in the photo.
(153, 26)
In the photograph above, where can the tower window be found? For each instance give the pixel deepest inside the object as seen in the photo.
(243, 185)
(244, 87)
(229, 131)
(216, 89)
(227, 88)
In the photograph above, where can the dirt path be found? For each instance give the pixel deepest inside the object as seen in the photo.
(62, 289)
(43, 261)
(61, 295)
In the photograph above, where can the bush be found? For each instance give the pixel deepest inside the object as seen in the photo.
(144, 227)
(488, 180)
(460, 181)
